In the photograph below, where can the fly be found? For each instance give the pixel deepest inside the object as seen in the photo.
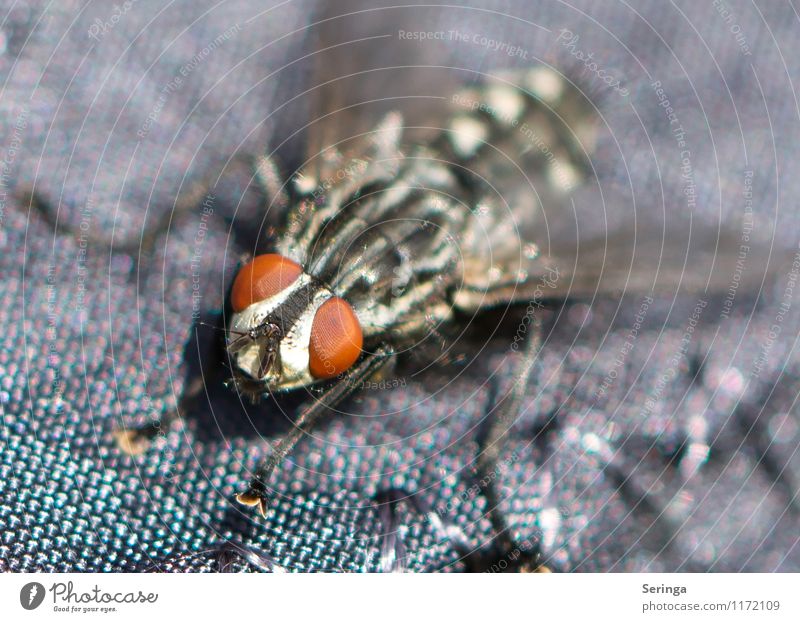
(405, 231)
(390, 242)
(407, 239)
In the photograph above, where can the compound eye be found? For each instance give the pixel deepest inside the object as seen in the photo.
(336, 339)
(262, 278)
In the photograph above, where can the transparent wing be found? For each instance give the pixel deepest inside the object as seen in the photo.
(547, 221)
(365, 67)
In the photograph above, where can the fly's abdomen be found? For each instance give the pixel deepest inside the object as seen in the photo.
(392, 250)
(520, 145)
(532, 126)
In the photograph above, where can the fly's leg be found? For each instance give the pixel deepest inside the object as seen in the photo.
(226, 557)
(229, 552)
(257, 493)
(205, 368)
(264, 172)
(492, 441)
(504, 554)
(134, 441)
(393, 550)
(143, 247)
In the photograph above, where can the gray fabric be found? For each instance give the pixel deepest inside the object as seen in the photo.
(95, 335)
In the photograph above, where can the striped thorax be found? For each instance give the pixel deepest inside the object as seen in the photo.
(384, 246)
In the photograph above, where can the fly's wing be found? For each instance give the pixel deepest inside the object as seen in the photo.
(682, 257)
(530, 142)
(371, 61)
(371, 84)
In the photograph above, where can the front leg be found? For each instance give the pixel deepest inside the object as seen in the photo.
(257, 493)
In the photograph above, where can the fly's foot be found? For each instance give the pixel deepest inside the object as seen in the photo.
(502, 554)
(524, 557)
(130, 442)
(252, 390)
(493, 558)
(393, 551)
(135, 441)
(229, 554)
(255, 495)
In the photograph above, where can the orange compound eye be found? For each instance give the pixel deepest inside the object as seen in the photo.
(262, 278)
(336, 339)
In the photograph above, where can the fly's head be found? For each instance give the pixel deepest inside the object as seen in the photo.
(287, 329)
